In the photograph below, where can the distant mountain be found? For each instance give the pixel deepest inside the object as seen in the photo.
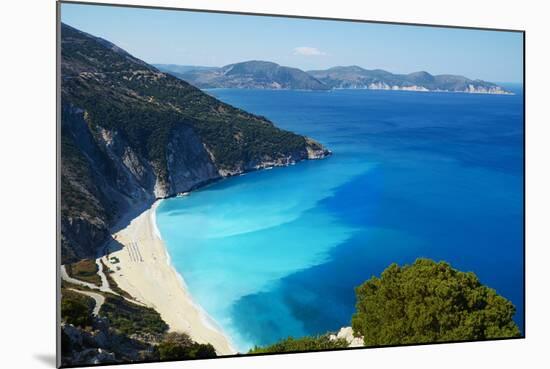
(268, 75)
(249, 74)
(357, 77)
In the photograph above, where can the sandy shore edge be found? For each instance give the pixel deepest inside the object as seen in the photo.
(142, 267)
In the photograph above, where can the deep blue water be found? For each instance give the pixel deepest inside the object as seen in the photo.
(278, 253)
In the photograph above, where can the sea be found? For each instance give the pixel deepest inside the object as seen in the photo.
(277, 253)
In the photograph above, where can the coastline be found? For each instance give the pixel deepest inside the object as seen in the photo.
(207, 90)
(141, 264)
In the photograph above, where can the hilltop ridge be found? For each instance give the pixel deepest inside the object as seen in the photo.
(248, 74)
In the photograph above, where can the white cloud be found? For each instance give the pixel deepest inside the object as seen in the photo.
(308, 51)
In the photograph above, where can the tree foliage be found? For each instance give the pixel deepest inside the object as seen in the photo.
(307, 343)
(76, 309)
(179, 346)
(430, 302)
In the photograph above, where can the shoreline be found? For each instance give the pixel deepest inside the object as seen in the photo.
(206, 319)
(152, 280)
(506, 93)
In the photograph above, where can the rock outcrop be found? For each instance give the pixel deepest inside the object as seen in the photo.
(101, 345)
(347, 334)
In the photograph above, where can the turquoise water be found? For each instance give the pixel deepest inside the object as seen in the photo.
(277, 253)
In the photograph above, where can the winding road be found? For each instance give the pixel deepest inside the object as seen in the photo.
(99, 299)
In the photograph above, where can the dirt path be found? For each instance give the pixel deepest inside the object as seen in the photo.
(105, 287)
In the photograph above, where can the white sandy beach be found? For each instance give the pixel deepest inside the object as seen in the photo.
(144, 271)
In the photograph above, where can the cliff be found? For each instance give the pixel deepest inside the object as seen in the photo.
(131, 134)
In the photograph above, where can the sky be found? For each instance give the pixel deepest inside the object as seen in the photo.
(209, 39)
